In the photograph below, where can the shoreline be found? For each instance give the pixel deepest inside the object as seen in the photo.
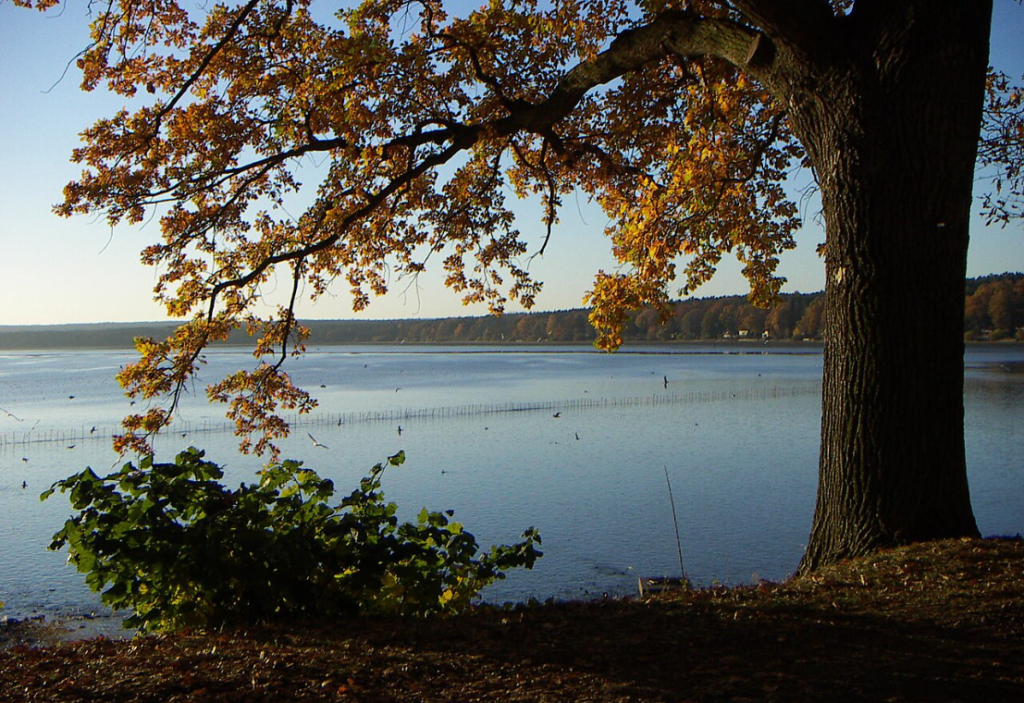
(940, 621)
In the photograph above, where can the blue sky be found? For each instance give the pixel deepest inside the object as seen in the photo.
(55, 271)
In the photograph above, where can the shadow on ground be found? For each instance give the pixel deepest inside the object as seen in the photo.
(934, 622)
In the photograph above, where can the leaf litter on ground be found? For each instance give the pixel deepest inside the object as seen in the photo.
(941, 621)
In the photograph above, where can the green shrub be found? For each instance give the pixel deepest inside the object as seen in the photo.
(173, 545)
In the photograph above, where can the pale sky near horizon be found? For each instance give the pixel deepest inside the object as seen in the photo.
(55, 271)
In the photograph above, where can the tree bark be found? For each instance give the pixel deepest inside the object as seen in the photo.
(890, 118)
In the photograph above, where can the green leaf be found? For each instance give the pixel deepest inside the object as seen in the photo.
(180, 550)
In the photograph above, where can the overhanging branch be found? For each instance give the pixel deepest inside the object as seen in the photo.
(673, 32)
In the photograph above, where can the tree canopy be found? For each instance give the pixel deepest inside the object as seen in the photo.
(421, 116)
(422, 119)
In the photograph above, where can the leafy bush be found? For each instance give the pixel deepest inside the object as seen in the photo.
(172, 544)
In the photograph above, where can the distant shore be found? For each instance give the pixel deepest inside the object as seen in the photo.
(324, 333)
(121, 336)
(793, 317)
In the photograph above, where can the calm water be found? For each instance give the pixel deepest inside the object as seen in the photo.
(737, 433)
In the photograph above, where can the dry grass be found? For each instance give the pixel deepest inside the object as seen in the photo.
(931, 622)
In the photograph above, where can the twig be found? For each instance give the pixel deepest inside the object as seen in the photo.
(675, 523)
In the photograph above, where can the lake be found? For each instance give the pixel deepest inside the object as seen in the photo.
(571, 441)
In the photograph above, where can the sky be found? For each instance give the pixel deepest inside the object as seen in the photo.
(57, 271)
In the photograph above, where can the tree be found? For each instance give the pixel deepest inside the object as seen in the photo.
(809, 324)
(689, 326)
(976, 319)
(681, 118)
(782, 319)
(1001, 309)
(711, 326)
(752, 320)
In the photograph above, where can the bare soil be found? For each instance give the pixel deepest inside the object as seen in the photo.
(941, 621)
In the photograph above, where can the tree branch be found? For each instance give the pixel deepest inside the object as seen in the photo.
(228, 36)
(678, 32)
(803, 24)
(373, 201)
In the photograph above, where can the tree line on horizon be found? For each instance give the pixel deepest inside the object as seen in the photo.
(994, 311)
(994, 304)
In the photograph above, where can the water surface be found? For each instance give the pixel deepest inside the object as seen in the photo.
(736, 432)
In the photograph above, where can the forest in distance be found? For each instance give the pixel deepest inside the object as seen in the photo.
(994, 311)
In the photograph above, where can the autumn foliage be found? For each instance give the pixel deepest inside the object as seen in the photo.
(282, 140)
(1001, 151)
(274, 139)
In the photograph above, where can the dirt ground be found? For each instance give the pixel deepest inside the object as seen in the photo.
(933, 622)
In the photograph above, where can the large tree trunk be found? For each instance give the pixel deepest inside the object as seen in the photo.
(892, 130)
